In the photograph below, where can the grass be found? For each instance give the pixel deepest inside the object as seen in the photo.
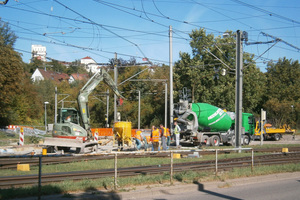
(7, 139)
(109, 163)
(13, 138)
(130, 183)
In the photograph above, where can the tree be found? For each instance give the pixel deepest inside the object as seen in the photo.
(7, 37)
(11, 73)
(282, 97)
(201, 72)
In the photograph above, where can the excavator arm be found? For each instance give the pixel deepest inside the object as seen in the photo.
(84, 93)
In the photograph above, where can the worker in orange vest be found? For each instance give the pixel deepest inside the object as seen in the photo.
(168, 137)
(155, 138)
(164, 136)
(138, 139)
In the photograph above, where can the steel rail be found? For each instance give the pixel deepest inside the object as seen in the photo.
(11, 163)
(223, 164)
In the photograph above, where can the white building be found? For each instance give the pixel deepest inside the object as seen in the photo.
(90, 64)
(38, 52)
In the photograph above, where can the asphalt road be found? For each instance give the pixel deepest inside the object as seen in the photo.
(271, 187)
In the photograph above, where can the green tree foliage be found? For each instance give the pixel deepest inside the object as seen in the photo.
(201, 73)
(7, 37)
(35, 63)
(57, 67)
(282, 96)
(11, 72)
(152, 96)
(76, 67)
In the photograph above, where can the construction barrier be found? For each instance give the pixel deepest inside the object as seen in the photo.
(103, 131)
(21, 140)
(96, 136)
(109, 132)
(13, 127)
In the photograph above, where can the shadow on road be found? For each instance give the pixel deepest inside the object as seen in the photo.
(201, 189)
(94, 193)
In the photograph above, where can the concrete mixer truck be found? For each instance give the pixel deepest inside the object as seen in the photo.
(202, 123)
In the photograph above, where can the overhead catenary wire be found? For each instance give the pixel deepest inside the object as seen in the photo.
(266, 11)
(136, 45)
(86, 48)
(127, 36)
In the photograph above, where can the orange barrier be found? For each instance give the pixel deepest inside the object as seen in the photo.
(12, 127)
(109, 132)
(103, 131)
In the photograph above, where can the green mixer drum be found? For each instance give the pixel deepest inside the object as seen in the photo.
(212, 117)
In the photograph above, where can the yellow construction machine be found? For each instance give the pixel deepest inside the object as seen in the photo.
(271, 132)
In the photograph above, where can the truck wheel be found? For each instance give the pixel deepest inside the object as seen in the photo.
(246, 140)
(215, 140)
(233, 140)
(277, 137)
(206, 140)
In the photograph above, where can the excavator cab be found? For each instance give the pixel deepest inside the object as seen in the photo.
(68, 124)
(68, 115)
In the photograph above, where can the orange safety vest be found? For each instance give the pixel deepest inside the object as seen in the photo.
(155, 135)
(168, 132)
(165, 132)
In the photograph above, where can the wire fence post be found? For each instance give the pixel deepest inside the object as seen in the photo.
(116, 172)
(171, 170)
(40, 178)
(216, 162)
(252, 160)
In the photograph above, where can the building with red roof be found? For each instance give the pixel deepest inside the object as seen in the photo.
(41, 74)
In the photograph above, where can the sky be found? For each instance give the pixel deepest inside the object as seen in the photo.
(73, 29)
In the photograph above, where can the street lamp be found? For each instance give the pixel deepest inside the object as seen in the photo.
(46, 102)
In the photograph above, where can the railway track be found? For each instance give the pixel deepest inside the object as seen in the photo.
(11, 162)
(223, 164)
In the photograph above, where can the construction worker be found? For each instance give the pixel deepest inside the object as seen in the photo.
(155, 138)
(138, 139)
(144, 139)
(168, 137)
(177, 133)
(163, 137)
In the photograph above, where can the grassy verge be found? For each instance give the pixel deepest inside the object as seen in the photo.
(13, 138)
(130, 183)
(122, 162)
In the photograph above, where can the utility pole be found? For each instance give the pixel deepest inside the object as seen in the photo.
(238, 88)
(107, 107)
(171, 76)
(139, 111)
(116, 82)
(166, 104)
(55, 112)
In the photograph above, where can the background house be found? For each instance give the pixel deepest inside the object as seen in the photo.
(41, 74)
(78, 77)
(89, 64)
